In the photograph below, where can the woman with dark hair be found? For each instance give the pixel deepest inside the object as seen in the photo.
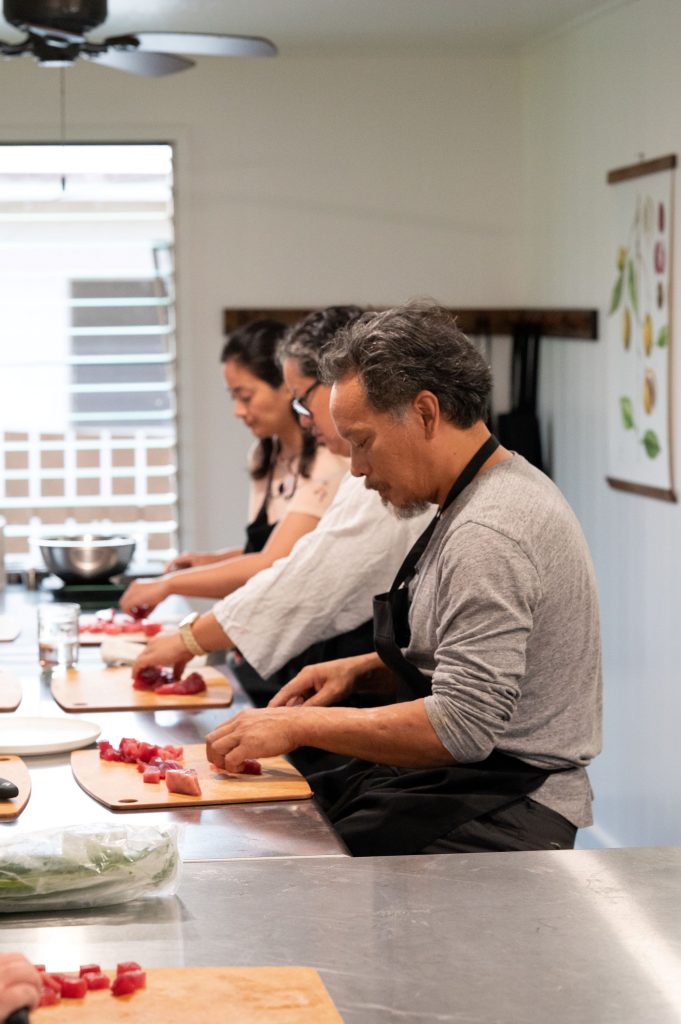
(293, 480)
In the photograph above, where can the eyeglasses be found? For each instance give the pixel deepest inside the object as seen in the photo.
(299, 404)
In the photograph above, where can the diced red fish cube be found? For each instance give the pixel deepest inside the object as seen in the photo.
(193, 683)
(126, 966)
(49, 996)
(96, 981)
(130, 981)
(90, 969)
(183, 780)
(140, 611)
(73, 988)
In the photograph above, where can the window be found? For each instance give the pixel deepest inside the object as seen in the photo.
(87, 345)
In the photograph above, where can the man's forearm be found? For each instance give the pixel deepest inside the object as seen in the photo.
(373, 675)
(400, 734)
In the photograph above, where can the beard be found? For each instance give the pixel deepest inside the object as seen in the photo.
(408, 511)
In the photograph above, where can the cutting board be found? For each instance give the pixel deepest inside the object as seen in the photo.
(14, 769)
(10, 691)
(185, 995)
(95, 639)
(120, 786)
(110, 689)
(9, 628)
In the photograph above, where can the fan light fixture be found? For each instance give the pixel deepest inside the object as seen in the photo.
(56, 37)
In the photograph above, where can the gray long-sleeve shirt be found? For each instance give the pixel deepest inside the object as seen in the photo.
(504, 617)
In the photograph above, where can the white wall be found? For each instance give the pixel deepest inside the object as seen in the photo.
(306, 182)
(302, 182)
(596, 98)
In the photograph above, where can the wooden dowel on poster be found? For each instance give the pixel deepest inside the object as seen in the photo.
(648, 492)
(660, 163)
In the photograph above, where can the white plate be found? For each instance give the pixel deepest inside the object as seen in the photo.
(19, 735)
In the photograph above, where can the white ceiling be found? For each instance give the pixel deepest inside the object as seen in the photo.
(347, 26)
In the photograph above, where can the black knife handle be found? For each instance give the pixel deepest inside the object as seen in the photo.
(18, 1016)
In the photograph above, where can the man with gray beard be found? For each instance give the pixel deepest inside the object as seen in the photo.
(488, 638)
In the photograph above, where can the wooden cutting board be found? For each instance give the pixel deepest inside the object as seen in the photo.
(185, 995)
(95, 639)
(10, 691)
(110, 689)
(120, 786)
(14, 769)
(9, 628)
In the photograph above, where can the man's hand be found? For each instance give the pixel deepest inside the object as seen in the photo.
(327, 683)
(144, 593)
(264, 732)
(164, 650)
(20, 984)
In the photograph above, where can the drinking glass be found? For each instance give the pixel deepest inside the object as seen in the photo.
(58, 634)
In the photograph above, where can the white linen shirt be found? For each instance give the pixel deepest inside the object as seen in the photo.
(325, 586)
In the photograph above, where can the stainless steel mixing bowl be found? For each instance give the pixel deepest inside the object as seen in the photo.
(87, 558)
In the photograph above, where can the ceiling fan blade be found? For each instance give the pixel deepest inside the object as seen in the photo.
(137, 62)
(46, 32)
(204, 44)
(14, 49)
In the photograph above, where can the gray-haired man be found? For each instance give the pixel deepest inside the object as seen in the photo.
(489, 636)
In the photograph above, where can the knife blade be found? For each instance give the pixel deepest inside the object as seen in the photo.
(18, 1016)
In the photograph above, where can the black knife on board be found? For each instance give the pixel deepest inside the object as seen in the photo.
(18, 1016)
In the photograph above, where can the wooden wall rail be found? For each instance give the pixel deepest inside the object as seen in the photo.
(550, 323)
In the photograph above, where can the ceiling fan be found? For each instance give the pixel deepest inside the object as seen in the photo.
(56, 37)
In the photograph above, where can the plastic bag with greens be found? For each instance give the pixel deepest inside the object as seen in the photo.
(87, 866)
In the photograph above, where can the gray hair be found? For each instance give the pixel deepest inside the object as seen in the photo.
(412, 348)
(306, 339)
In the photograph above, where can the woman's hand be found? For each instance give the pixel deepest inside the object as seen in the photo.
(145, 594)
(20, 984)
(327, 683)
(164, 650)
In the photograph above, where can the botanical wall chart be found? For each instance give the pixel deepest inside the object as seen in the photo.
(639, 331)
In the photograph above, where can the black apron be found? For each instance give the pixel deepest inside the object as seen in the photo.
(381, 810)
(345, 645)
(257, 535)
(258, 532)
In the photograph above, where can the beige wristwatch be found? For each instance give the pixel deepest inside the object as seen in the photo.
(188, 638)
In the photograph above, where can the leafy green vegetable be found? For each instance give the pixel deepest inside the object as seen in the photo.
(651, 444)
(85, 866)
(631, 285)
(617, 293)
(627, 411)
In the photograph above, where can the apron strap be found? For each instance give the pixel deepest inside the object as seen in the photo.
(408, 567)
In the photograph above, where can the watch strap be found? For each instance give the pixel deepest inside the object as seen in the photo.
(188, 638)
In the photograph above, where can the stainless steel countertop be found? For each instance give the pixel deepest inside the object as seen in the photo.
(511, 938)
(286, 829)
